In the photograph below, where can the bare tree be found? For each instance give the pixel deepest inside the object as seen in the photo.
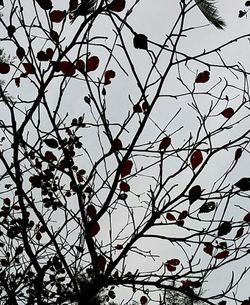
(122, 158)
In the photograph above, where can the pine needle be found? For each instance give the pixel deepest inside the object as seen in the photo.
(211, 12)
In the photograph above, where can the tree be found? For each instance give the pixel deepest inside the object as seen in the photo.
(121, 156)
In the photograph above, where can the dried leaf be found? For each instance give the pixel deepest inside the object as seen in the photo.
(247, 217)
(80, 65)
(91, 211)
(207, 207)
(107, 76)
(224, 228)
(165, 142)
(67, 68)
(4, 68)
(20, 53)
(145, 106)
(208, 248)
(196, 159)
(49, 156)
(117, 5)
(228, 113)
(92, 63)
(183, 215)
(194, 193)
(238, 154)
(45, 4)
(243, 184)
(137, 108)
(203, 77)
(29, 68)
(126, 168)
(57, 16)
(170, 217)
(170, 267)
(173, 261)
(143, 300)
(54, 36)
(52, 143)
(140, 41)
(239, 232)
(101, 262)
(116, 145)
(222, 255)
(124, 187)
(94, 229)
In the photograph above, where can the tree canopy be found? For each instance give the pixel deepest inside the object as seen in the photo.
(124, 154)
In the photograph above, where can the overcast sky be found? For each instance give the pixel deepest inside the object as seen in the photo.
(154, 18)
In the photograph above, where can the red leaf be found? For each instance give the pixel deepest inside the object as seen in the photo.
(238, 154)
(49, 53)
(117, 5)
(29, 68)
(116, 145)
(73, 5)
(11, 30)
(222, 254)
(124, 187)
(91, 211)
(67, 68)
(170, 217)
(94, 229)
(247, 218)
(173, 261)
(187, 284)
(137, 108)
(16, 207)
(224, 228)
(92, 63)
(45, 4)
(170, 267)
(42, 56)
(246, 302)
(183, 215)
(80, 65)
(194, 193)
(54, 36)
(20, 53)
(196, 284)
(196, 159)
(4, 68)
(17, 81)
(228, 113)
(81, 172)
(38, 235)
(208, 248)
(165, 142)
(101, 262)
(108, 75)
(79, 178)
(49, 156)
(35, 181)
(202, 77)
(143, 300)
(119, 247)
(6, 201)
(239, 232)
(145, 106)
(57, 16)
(126, 168)
(45, 56)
